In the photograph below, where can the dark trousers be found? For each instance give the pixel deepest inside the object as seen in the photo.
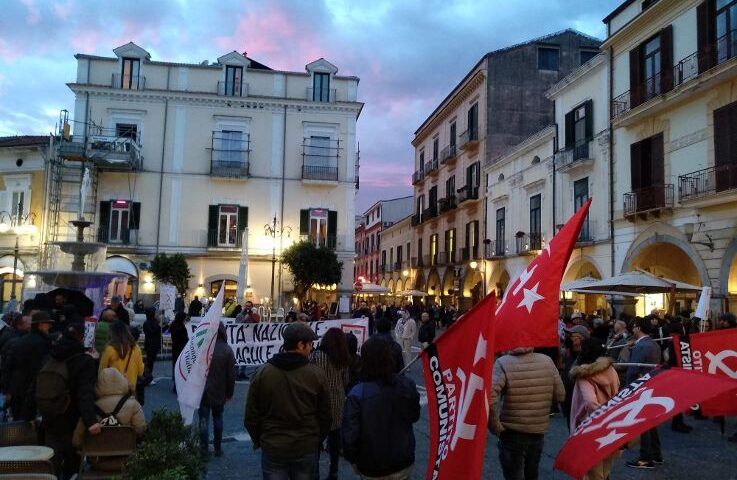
(334, 452)
(217, 424)
(150, 360)
(519, 454)
(297, 468)
(66, 460)
(650, 445)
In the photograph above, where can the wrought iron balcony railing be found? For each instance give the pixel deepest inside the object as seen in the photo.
(468, 192)
(469, 138)
(446, 204)
(648, 199)
(448, 154)
(495, 248)
(708, 181)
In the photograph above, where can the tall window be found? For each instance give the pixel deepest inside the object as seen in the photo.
(130, 75)
(319, 227)
(407, 252)
(548, 58)
(500, 247)
(579, 130)
(581, 196)
(422, 160)
(652, 66)
(434, 249)
(450, 245)
(473, 122)
(453, 136)
(229, 146)
(399, 256)
(383, 258)
(318, 151)
(126, 130)
(450, 187)
(435, 148)
(233, 80)
(472, 240)
(321, 87)
(433, 199)
(420, 204)
(726, 29)
(18, 206)
(536, 222)
(228, 225)
(119, 218)
(647, 172)
(419, 251)
(391, 257)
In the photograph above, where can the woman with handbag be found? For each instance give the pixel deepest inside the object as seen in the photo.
(123, 354)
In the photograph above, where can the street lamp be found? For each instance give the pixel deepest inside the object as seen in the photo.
(474, 265)
(274, 230)
(18, 225)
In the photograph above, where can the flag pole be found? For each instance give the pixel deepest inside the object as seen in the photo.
(412, 362)
(644, 365)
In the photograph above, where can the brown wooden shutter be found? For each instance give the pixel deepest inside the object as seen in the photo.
(723, 135)
(656, 160)
(636, 80)
(589, 108)
(706, 34)
(636, 165)
(666, 59)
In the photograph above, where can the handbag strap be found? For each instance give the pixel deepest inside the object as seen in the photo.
(130, 354)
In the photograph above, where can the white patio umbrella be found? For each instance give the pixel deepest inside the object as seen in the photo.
(372, 288)
(412, 293)
(637, 282)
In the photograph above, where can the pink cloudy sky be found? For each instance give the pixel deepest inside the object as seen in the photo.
(408, 53)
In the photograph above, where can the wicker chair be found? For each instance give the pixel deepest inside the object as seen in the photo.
(27, 476)
(15, 434)
(107, 452)
(26, 467)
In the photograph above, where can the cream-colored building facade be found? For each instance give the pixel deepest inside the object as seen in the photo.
(395, 273)
(673, 116)
(189, 157)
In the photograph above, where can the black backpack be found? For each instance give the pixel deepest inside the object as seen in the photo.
(52, 388)
(111, 419)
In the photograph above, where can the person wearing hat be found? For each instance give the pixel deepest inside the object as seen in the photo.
(23, 360)
(288, 407)
(575, 336)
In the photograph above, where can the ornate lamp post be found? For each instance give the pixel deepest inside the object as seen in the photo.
(18, 225)
(275, 230)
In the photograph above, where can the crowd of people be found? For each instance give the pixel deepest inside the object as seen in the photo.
(595, 360)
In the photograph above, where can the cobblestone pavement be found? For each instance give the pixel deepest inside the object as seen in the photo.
(702, 454)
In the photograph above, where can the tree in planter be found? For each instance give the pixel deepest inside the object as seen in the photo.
(310, 266)
(171, 269)
(169, 450)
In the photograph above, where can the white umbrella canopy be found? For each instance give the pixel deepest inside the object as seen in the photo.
(412, 293)
(578, 283)
(637, 282)
(373, 288)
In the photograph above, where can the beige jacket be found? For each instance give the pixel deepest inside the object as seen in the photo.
(110, 388)
(525, 383)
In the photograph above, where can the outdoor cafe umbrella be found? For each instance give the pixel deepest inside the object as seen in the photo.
(372, 288)
(412, 293)
(636, 282)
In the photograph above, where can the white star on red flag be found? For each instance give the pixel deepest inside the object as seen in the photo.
(530, 297)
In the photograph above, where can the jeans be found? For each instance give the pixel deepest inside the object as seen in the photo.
(650, 445)
(519, 454)
(217, 424)
(334, 452)
(297, 468)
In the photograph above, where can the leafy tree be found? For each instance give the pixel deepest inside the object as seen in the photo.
(310, 265)
(171, 269)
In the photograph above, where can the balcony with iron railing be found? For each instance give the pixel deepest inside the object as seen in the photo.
(707, 182)
(469, 139)
(229, 156)
(470, 253)
(690, 68)
(416, 262)
(429, 213)
(128, 82)
(528, 243)
(447, 258)
(447, 204)
(573, 155)
(416, 219)
(114, 149)
(329, 241)
(448, 154)
(326, 95)
(398, 266)
(418, 176)
(232, 89)
(124, 237)
(320, 158)
(227, 239)
(648, 200)
(495, 248)
(431, 167)
(467, 192)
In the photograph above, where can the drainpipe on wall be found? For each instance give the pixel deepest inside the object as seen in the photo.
(161, 171)
(283, 181)
(611, 160)
(555, 150)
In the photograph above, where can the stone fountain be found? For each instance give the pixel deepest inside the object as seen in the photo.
(76, 264)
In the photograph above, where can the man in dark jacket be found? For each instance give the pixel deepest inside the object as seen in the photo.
(195, 307)
(218, 390)
(364, 311)
(120, 310)
(288, 407)
(426, 332)
(383, 331)
(645, 351)
(152, 339)
(59, 429)
(23, 360)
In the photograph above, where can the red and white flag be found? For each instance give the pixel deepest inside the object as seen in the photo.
(651, 400)
(457, 371)
(715, 353)
(528, 314)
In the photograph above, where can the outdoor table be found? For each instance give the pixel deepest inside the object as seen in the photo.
(26, 453)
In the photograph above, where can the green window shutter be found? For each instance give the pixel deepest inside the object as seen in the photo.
(135, 218)
(212, 226)
(332, 228)
(304, 222)
(242, 224)
(104, 225)
(589, 107)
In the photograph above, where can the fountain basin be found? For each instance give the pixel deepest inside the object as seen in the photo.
(76, 280)
(79, 248)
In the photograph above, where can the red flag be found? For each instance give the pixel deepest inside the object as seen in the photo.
(711, 352)
(528, 314)
(457, 371)
(651, 400)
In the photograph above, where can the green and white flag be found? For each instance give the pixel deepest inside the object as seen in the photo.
(190, 371)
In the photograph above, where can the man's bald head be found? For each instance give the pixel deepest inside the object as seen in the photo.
(109, 316)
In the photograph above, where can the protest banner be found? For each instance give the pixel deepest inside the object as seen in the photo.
(90, 326)
(255, 343)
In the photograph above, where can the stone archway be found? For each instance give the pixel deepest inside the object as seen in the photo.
(499, 282)
(434, 286)
(448, 282)
(728, 276)
(420, 281)
(582, 267)
(473, 289)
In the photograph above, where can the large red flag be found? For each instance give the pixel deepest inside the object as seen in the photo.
(528, 314)
(711, 352)
(651, 400)
(457, 371)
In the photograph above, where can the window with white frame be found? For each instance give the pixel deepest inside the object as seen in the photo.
(119, 221)
(227, 225)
